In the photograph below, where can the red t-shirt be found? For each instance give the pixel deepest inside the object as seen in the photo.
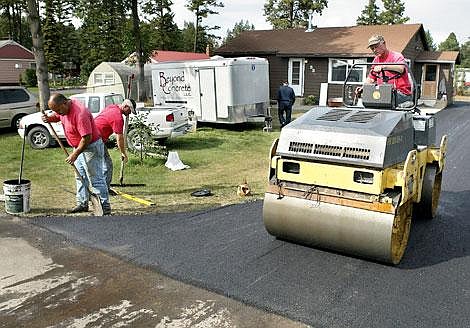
(109, 121)
(401, 84)
(78, 123)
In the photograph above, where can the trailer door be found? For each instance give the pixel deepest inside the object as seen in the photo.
(207, 94)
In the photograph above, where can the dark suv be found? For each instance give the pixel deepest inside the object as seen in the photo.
(15, 102)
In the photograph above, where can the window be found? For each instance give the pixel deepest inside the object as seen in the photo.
(8, 96)
(94, 104)
(114, 99)
(431, 73)
(339, 68)
(103, 78)
(295, 72)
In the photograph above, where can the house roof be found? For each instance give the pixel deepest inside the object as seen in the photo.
(439, 57)
(159, 56)
(13, 50)
(322, 42)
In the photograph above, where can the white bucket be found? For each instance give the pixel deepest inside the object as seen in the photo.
(17, 196)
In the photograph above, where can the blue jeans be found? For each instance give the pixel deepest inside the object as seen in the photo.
(90, 166)
(108, 167)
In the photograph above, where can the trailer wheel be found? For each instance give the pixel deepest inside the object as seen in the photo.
(427, 207)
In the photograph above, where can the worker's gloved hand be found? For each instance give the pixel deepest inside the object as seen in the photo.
(358, 91)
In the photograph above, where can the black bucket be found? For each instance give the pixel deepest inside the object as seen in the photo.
(17, 195)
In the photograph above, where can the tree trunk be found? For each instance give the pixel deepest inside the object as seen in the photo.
(139, 52)
(38, 50)
(195, 30)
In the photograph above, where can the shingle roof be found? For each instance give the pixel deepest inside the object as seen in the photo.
(439, 56)
(347, 41)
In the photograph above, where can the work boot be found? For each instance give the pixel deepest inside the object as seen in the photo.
(79, 208)
(106, 209)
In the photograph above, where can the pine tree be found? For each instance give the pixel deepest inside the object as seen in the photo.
(237, 29)
(465, 54)
(163, 31)
(393, 13)
(284, 14)
(202, 9)
(370, 14)
(430, 41)
(450, 44)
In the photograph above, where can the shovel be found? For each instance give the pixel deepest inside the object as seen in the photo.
(95, 199)
(126, 126)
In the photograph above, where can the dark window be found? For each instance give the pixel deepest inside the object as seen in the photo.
(8, 96)
(295, 73)
(431, 73)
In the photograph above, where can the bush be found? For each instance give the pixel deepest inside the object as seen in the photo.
(310, 100)
(28, 78)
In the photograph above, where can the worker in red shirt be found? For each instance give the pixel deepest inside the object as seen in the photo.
(88, 149)
(402, 84)
(109, 121)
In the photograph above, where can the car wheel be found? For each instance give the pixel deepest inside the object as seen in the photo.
(15, 122)
(136, 141)
(39, 138)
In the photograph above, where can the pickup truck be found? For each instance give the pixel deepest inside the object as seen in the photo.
(172, 121)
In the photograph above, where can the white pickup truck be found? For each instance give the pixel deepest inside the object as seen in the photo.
(171, 121)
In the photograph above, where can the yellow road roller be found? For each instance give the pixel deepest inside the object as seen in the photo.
(350, 178)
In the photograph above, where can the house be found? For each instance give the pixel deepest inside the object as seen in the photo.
(324, 56)
(14, 60)
(113, 76)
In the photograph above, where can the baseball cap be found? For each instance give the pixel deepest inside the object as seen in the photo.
(131, 103)
(374, 39)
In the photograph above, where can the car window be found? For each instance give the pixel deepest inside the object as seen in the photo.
(8, 96)
(114, 99)
(94, 104)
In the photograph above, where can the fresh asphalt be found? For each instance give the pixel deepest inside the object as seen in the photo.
(228, 251)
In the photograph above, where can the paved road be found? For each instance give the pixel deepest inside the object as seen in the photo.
(228, 251)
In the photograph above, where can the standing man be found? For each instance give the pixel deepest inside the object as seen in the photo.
(110, 121)
(88, 149)
(402, 84)
(285, 100)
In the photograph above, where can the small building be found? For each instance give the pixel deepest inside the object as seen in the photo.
(14, 60)
(309, 59)
(113, 77)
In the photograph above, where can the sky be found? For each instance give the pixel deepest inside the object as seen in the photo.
(438, 16)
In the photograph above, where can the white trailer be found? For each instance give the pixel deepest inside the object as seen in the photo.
(222, 90)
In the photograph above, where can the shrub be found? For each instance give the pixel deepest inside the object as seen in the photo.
(28, 78)
(310, 100)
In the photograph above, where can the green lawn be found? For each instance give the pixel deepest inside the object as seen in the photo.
(220, 159)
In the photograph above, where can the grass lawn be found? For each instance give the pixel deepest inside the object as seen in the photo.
(220, 158)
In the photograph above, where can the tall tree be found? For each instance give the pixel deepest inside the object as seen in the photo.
(141, 58)
(465, 54)
(393, 13)
(284, 14)
(38, 50)
(162, 30)
(201, 9)
(450, 43)
(51, 34)
(237, 29)
(430, 41)
(370, 14)
(101, 32)
(13, 24)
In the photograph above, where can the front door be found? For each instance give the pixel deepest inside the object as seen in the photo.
(430, 79)
(207, 95)
(296, 75)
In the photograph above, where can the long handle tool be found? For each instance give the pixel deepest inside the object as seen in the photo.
(126, 126)
(95, 199)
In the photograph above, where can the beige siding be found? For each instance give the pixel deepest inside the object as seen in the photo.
(10, 70)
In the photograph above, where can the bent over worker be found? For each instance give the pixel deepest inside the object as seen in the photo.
(109, 121)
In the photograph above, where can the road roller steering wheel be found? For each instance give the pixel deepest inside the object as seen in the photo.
(381, 75)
